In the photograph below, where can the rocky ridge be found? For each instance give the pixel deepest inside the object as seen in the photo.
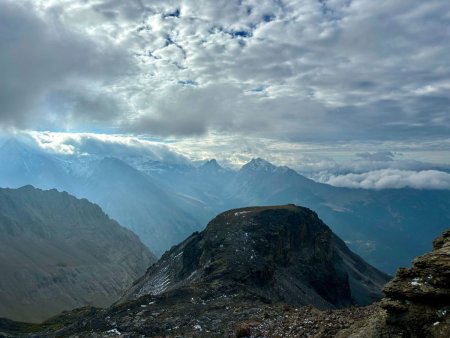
(416, 303)
(418, 298)
(249, 273)
(58, 253)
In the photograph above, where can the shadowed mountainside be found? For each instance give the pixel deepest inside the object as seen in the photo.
(58, 252)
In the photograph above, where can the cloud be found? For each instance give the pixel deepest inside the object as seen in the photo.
(393, 179)
(379, 156)
(406, 158)
(50, 73)
(103, 145)
(293, 71)
(181, 110)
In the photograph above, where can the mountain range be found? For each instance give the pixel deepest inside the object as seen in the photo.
(58, 252)
(246, 262)
(163, 202)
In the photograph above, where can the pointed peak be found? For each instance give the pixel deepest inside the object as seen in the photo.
(211, 165)
(260, 161)
(259, 164)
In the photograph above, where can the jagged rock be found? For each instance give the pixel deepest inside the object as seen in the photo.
(418, 298)
(417, 303)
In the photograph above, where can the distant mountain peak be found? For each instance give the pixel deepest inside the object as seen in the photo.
(211, 165)
(258, 164)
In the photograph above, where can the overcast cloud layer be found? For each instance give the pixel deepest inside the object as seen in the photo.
(291, 69)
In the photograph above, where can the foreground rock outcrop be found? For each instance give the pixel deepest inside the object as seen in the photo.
(418, 298)
(417, 303)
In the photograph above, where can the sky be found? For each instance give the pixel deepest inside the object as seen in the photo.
(331, 88)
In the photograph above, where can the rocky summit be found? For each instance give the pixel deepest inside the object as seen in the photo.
(279, 254)
(249, 273)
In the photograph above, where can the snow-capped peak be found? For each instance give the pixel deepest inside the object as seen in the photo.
(259, 164)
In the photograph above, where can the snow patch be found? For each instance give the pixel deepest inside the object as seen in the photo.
(157, 284)
(416, 282)
(192, 275)
(113, 332)
(241, 213)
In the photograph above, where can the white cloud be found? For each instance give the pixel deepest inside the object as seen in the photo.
(379, 156)
(103, 145)
(297, 70)
(52, 74)
(393, 179)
